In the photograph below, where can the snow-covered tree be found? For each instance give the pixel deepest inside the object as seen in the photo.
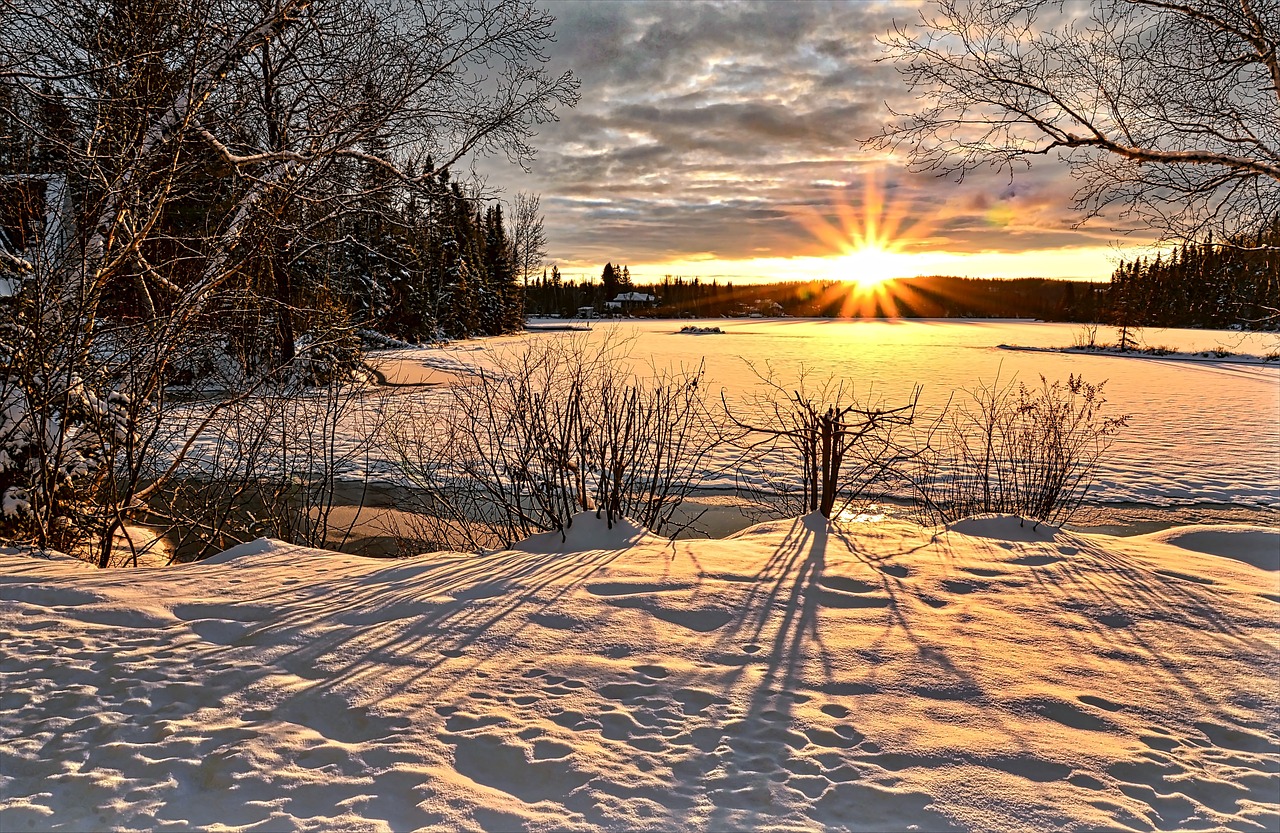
(207, 146)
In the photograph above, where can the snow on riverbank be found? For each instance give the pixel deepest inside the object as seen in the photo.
(1216, 356)
(993, 676)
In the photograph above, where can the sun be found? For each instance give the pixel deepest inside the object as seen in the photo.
(872, 241)
(868, 238)
(864, 226)
(869, 266)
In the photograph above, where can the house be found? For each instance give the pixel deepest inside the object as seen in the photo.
(631, 301)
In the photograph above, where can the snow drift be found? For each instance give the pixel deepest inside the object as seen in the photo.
(990, 676)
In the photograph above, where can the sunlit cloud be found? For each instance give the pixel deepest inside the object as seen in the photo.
(707, 131)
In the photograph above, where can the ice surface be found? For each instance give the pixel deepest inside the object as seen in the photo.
(1202, 433)
(1199, 433)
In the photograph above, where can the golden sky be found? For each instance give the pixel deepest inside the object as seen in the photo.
(724, 141)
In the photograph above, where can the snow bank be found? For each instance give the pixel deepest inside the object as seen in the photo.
(590, 531)
(1255, 545)
(29, 556)
(1216, 356)
(797, 676)
(1004, 527)
(261, 546)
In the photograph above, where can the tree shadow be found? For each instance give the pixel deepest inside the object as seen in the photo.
(742, 732)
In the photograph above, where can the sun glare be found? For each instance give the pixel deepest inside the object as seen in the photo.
(867, 237)
(868, 266)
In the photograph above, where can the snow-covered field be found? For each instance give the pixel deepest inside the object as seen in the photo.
(794, 677)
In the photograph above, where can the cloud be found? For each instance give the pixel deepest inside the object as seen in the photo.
(707, 128)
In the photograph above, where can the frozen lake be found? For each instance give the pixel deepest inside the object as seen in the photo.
(1199, 433)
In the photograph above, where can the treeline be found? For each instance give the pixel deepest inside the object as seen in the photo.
(320, 261)
(930, 297)
(1202, 285)
(421, 264)
(1197, 285)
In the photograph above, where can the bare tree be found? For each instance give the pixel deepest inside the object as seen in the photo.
(562, 427)
(846, 448)
(206, 138)
(528, 237)
(1165, 110)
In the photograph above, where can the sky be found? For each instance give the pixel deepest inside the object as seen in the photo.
(724, 141)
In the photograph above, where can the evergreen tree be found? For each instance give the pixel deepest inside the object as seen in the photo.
(503, 309)
(609, 281)
(375, 237)
(1202, 285)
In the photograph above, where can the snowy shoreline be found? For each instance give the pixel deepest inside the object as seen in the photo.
(375, 518)
(1159, 354)
(374, 511)
(988, 676)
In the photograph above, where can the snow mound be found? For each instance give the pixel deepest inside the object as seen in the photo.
(1004, 528)
(47, 556)
(260, 546)
(814, 523)
(589, 531)
(1255, 545)
(802, 676)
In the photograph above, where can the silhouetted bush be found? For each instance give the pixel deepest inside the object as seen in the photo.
(845, 448)
(562, 426)
(1015, 449)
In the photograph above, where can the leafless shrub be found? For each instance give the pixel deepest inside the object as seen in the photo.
(269, 465)
(1015, 449)
(563, 426)
(1086, 337)
(846, 448)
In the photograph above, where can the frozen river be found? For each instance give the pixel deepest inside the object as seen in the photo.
(1199, 432)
